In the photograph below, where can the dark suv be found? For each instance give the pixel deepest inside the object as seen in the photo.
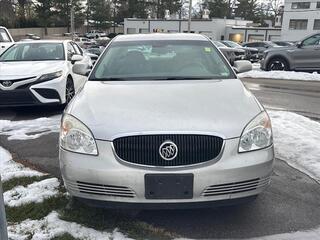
(304, 56)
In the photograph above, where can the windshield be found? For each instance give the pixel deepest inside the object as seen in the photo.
(232, 44)
(219, 44)
(161, 60)
(33, 52)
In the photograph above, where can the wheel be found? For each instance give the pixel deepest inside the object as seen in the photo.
(70, 91)
(278, 64)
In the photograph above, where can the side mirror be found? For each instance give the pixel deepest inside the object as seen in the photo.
(241, 66)
(299, 45)
(76, 58)
(81, 69)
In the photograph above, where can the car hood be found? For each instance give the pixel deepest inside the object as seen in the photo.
(113, 109)
(279, 49)
(29, 69)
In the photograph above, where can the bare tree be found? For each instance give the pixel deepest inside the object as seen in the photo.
(274, 7)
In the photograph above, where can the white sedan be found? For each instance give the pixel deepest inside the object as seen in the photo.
(40, 72)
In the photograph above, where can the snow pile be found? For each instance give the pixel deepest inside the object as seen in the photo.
(297, 141)
(286, 75)
(29, 129)
(310, 235)
(51, 226)
(35, 192)
(10, 169)
(256, 66)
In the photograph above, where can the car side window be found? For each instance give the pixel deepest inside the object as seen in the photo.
(311, 41)
(70, 50)
(4, 37)
(77, 48)
(252, 45)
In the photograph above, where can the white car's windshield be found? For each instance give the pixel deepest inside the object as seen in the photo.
(33, 52)
(161, 60)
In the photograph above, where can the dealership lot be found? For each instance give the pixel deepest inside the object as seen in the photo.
(290, 204)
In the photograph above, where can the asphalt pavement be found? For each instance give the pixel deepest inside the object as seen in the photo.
(291, 203)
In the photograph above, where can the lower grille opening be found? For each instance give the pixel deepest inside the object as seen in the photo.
(16, 97)
(101, 189)
(48, 93)
(236, 187)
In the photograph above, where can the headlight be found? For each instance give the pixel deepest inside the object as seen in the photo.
(76, 137)
(50, 76)
(257, 134)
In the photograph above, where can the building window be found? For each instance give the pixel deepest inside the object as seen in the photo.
(298, 24)
(143, 30)
(131, 30)
(318, 4)
(300, 5)
(316, 25)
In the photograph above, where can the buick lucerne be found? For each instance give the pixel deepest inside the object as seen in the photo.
(163, 121)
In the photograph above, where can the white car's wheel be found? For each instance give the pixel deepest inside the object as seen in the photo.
(70, 91)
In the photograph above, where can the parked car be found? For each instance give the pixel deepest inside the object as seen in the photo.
(251, 54)
(81, 41)
(240, 54)
(40, 72)
(261, 46)
(95, 50)
(93, 57)
(283, 43)
(304, 56)
(95, 34)
(228, 52)
(171, 127)
(5, 39)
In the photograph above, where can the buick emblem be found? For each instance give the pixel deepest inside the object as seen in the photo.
(6, 83)
(168, 150)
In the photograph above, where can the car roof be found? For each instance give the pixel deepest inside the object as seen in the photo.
(160, 36)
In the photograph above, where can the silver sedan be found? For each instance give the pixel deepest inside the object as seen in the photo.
(163, 121)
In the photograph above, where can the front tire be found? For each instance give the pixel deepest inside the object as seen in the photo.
(278, 64)
(70, 90)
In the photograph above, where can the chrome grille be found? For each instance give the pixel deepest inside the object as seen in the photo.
(144, 149)
(237, 187)
(100, 189)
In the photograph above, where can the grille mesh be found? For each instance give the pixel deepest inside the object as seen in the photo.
(144, 149)
(16, 97)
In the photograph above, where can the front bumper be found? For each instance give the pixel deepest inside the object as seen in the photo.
(30, 93)
(105, 178)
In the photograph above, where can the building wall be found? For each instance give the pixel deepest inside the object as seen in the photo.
(214, 28)
(310, 14)
(248, 34)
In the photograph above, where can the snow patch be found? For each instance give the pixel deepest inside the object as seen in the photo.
(35, 192)
(51, 226)
(286, 75)
(10, 169)
(29, 129)
(310, 235)
(296, 141)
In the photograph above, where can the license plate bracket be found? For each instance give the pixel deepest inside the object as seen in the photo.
(169, 186)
